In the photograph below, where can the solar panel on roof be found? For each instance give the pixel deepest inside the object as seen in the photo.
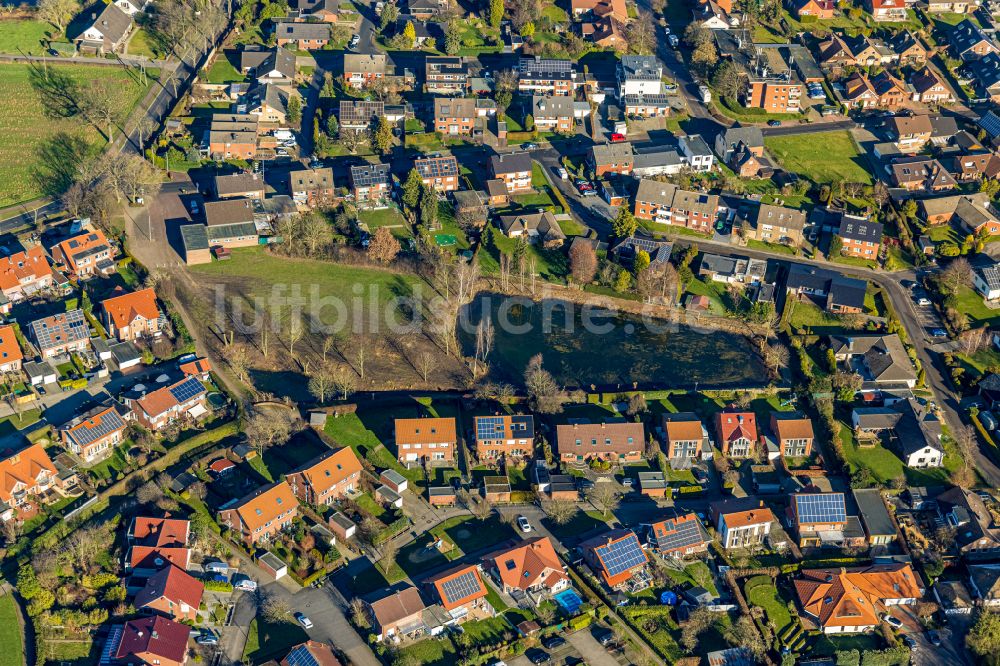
(461, 587)
(821, 508)
(109, 423)
(437, 167)
(621, 555)
(186, 390)
(488, 427)
(301, 656)
(679, 535)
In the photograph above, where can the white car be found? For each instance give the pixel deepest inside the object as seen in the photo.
(666, 31)
(892, 621)
(562, 173)
(523, 524)
(303, 620)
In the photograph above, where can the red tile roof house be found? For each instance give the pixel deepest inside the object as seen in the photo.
(736, 433)
(429, 440)
(24, 474)
(86, 255)
(150, 641)
(615, 442)
(617, 557)
(10, 350)
(462, 593)
(199, 367)
(94, 434)
(742, 523)
(531, 567)
(843, 601)
(396, 614)
(23, 274)
(684, 435)
(263, 513)
(133, 316)
(326, 478)
(794, 434)
(887, 10)
(171, 592)
(163, 406)
(152, 542)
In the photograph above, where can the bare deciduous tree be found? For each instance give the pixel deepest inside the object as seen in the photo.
(560, 511)
(605, 497)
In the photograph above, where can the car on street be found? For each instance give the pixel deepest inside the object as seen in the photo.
(302, 619)
(674, 41)
(774, 123)
(562, 173)
(523, 524)
(355, 40)
(552, 642)
(617, 138)
(935, 638)
(585, 483)
(894, 622)
(244, 582)
(537, 656)
(938, 333)
(910, 641)
(529, 146)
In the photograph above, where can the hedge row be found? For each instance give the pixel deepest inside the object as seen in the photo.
(218, 586)
(395, 528)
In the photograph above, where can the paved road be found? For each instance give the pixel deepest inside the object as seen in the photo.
(809, 128)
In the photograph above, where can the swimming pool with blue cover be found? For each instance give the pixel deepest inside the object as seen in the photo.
(569, 600)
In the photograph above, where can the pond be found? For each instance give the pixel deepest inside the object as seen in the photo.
(584, 345)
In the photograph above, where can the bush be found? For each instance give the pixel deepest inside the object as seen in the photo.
(894, 656)
(847, 657)
(218, 586)
(396, 527)
(522, 496)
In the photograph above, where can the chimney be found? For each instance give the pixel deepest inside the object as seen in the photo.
(140, 633)
(153, 634)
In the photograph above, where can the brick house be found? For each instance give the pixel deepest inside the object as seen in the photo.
(326, 478)
(461, 116)
(361, 70)
(679, 536)
(514, 169)
(887, 10)
(263, 513)
(86, 254)
(684, 435)
(553, 113)
(440, 172)
(666, 203)
(861, 238)
(818, 517)
(505, 436)
(736, 433)
(133, 316)
(546, 76)
(742, 523)
(95, 433)
(462, 593)
(311, 187)
(531, 565)
(430, 440)
(615, 442)
(777, 224)
(371, 182)
(171, 592)
(396, 614)
(446, 75)
(605, 554)
(821, 9)
(611, 158)
(841, 600)
(302, 36)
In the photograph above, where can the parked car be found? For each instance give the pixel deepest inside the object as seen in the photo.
(674, 41)
(939, 333)
(206, 637)
(909, 641)
(537, 656)
(195, 209)
(935, 638)
(774, 123)
(666, 31)
(355, 40)
(216, 566)
(604, 636)
(893, 622)
(302, 619)
(552, 642)
(585, 483)
(617, 138)
(244, 582)
(529, 146)
(628, 481)
(922, 300)
(523, 524)
(562, 173)
(700, 475)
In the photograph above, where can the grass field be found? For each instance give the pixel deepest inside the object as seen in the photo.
(822, 157)
(10, 634)
(222, 71)
(885, 465)
(24, 36)
(971, 303)
(141, 44)
(766, 596)
(29, 139)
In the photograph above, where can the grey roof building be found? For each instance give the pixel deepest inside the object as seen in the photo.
(299, 31)
(270, 63)
(60, 331)
(875, 516)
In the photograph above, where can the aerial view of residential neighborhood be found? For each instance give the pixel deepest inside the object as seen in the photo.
(499, 332)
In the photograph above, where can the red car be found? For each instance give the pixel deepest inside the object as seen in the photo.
(617, 138)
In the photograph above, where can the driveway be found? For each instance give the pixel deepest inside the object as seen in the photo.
(592, 651)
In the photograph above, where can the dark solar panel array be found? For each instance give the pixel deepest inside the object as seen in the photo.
(622, 555)
(461, 587)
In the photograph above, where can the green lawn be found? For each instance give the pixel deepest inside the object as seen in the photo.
(40, 152)
(259, 271)
(266, 641)
(24, 36)
(809, 316)
(971, 303)
(716, 292)
(855, 261)
(439, 651)
(10, 634)
(697, 574)
(142, 44)
(11, 424)
(766, 596)
(223, 71)
(551, 265)
(821, 157)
